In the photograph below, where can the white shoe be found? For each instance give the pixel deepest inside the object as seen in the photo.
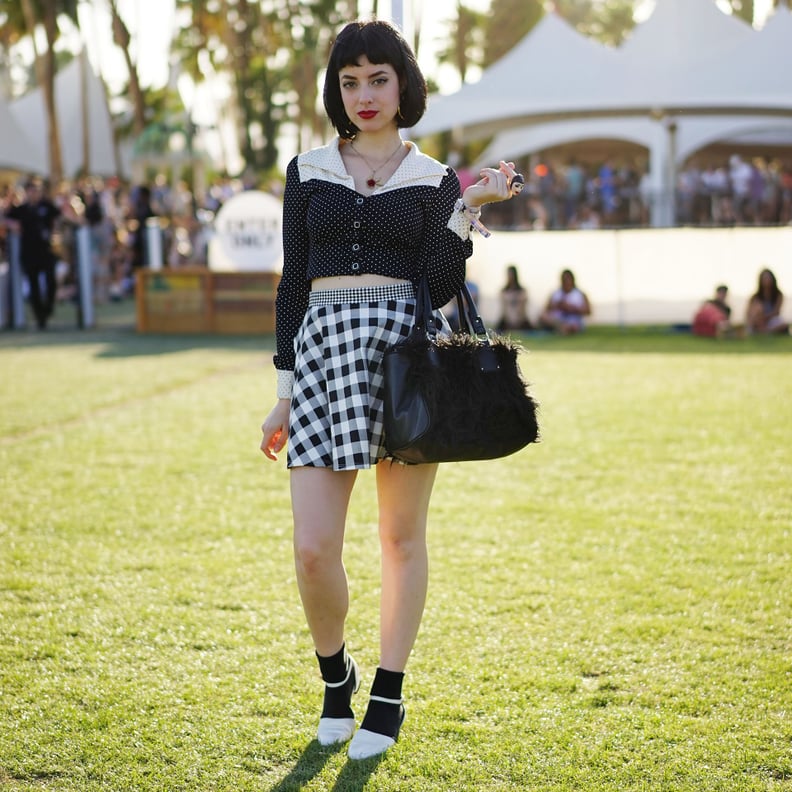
(366, 744)
(336, 730)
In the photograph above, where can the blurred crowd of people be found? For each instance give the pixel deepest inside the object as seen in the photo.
(572, 196)
(738, 192)
(619, 195)
(117, 214)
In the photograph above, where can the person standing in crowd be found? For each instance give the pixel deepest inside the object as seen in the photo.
(142, 210)
(514, 303)
(763, 314)
(34, 221)
(566, 307)
(363, 217)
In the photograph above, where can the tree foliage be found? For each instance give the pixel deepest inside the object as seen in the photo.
(273, 53)
(507, 23)
(608, 21)
(743, 9)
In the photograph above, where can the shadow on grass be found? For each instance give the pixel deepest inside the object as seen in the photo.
(352, 778)
(116, 333)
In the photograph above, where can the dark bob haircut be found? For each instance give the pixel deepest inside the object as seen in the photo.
(381, 43)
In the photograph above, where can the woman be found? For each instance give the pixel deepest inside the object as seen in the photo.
(362, 217)
(566, 307)
(514, 303)
(764, 308)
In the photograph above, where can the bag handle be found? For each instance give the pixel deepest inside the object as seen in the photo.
(473, 322)
(469, 319)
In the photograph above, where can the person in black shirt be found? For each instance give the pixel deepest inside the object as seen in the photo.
(142, 210)
(363, 217)
(34, 221)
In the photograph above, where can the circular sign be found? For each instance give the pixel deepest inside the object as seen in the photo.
(247, 234)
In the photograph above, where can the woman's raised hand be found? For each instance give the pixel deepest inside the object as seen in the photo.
(494, 184)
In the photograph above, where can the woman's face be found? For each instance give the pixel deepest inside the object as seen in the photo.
(370, 93)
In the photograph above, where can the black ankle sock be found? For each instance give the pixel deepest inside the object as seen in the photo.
(382, 717)
(334, 669)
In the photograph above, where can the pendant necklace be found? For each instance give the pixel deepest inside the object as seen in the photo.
(373, 182)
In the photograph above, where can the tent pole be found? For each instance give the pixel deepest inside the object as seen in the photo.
(671, 130)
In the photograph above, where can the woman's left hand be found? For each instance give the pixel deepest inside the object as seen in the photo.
(493, 186)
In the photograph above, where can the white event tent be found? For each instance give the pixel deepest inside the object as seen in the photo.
(16, 151)
(79, 94)
(687, 77)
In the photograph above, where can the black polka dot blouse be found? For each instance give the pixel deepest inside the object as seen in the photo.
(329, 229)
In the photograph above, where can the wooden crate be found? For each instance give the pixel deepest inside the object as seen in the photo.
(197, 300)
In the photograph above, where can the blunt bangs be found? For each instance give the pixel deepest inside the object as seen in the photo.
(380, 42)
(373, 40)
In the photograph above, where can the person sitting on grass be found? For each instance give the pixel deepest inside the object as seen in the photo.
(566, 307)
(514, 303)
(713, 317)
(764, 308)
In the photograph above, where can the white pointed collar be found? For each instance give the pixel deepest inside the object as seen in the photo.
(325, 163)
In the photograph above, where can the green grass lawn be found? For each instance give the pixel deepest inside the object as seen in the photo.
(608, 610)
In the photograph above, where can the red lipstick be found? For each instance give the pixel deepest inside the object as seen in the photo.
(367, 114)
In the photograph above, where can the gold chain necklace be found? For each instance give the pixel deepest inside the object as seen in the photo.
(372, 182)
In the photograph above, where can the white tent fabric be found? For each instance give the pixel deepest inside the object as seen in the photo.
(515, 143)
(673, 33)
(30, 116)
(552, 71)
(16, 151)
(687, 57)
(688, 76)
(693, 134)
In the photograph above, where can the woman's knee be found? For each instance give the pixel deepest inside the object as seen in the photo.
(313, 554)
(402, 546)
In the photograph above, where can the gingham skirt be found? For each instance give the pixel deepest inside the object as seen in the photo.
(336, 407)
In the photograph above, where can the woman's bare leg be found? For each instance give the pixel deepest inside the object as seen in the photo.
(320, 498)
(403, 493)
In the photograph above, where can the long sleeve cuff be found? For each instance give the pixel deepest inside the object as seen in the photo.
(285, 383)
(459, 223)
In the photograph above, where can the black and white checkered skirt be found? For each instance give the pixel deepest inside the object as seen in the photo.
(336, 407)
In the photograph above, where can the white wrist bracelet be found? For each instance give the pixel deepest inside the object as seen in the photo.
(460, 206)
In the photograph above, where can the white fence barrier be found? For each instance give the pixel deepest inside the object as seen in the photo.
(645, 276)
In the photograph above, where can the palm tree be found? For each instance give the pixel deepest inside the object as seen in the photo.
(23, 19)
(273, 59)
(122, 39)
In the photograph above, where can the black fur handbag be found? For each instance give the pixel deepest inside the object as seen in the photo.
(458, 397)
